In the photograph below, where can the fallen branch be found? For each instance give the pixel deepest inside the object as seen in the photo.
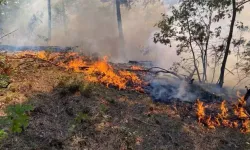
(158, 71)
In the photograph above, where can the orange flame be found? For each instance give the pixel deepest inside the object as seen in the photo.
(136, 68)
(223, 117)
(240, 112)
(42, 55)
(245, 126)
(224, 110)
(99, 71)
(200, 110)
(76, 64)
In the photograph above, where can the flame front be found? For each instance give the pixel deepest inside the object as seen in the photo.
(98, 71)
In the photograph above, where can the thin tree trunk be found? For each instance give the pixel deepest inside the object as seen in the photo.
(223, 66)
(192, 50)
(120, 30)
(49, 20)
(206, 47)
(64, 18)
(215, 64)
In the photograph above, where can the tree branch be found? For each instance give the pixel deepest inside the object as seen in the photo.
(8, 34)
(242, 3)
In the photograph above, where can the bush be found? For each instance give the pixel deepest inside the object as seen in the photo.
(4, 81)
(3, 134)
(17, 118)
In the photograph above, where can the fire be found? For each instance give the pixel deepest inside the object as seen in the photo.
(136, 68)
(223, 109)
(245, 126)
(200, 111)
(98, 71)
(42, 55)
(240, 112)
(101, 71)
(210, 123)
(76, 64)
(223, 118)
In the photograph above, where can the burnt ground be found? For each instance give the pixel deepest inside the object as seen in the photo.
(67, 117)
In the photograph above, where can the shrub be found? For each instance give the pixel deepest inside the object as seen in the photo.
(3, 134)
(17, 117)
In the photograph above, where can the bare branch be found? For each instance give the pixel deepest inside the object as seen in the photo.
(8, 34)
(242, 3)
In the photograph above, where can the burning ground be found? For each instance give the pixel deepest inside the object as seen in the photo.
(87, 103)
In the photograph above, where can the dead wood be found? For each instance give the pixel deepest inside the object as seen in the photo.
(161, 70)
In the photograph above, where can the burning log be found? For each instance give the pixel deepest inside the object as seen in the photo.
(11, 48)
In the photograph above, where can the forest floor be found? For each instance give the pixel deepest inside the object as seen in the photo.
(101, 118)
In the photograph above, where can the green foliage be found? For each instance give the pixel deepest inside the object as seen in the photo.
(81, 117)
(103, 108)
(4, 81)
(17, 117)
(193, 26)
(3, 134)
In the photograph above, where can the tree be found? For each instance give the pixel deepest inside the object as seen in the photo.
(64, 17)
(119, 22)
(49, 20)
(237, 7)
(195, 25)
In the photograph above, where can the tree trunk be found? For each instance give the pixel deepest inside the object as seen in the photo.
(120, 30)
(49, 20)
(64, 18)
(206, 48)
(223, 66)
(192, 50)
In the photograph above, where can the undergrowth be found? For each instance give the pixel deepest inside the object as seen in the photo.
(73, 85)
(16, 119)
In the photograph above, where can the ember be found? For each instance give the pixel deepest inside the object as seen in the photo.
(136, 68)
